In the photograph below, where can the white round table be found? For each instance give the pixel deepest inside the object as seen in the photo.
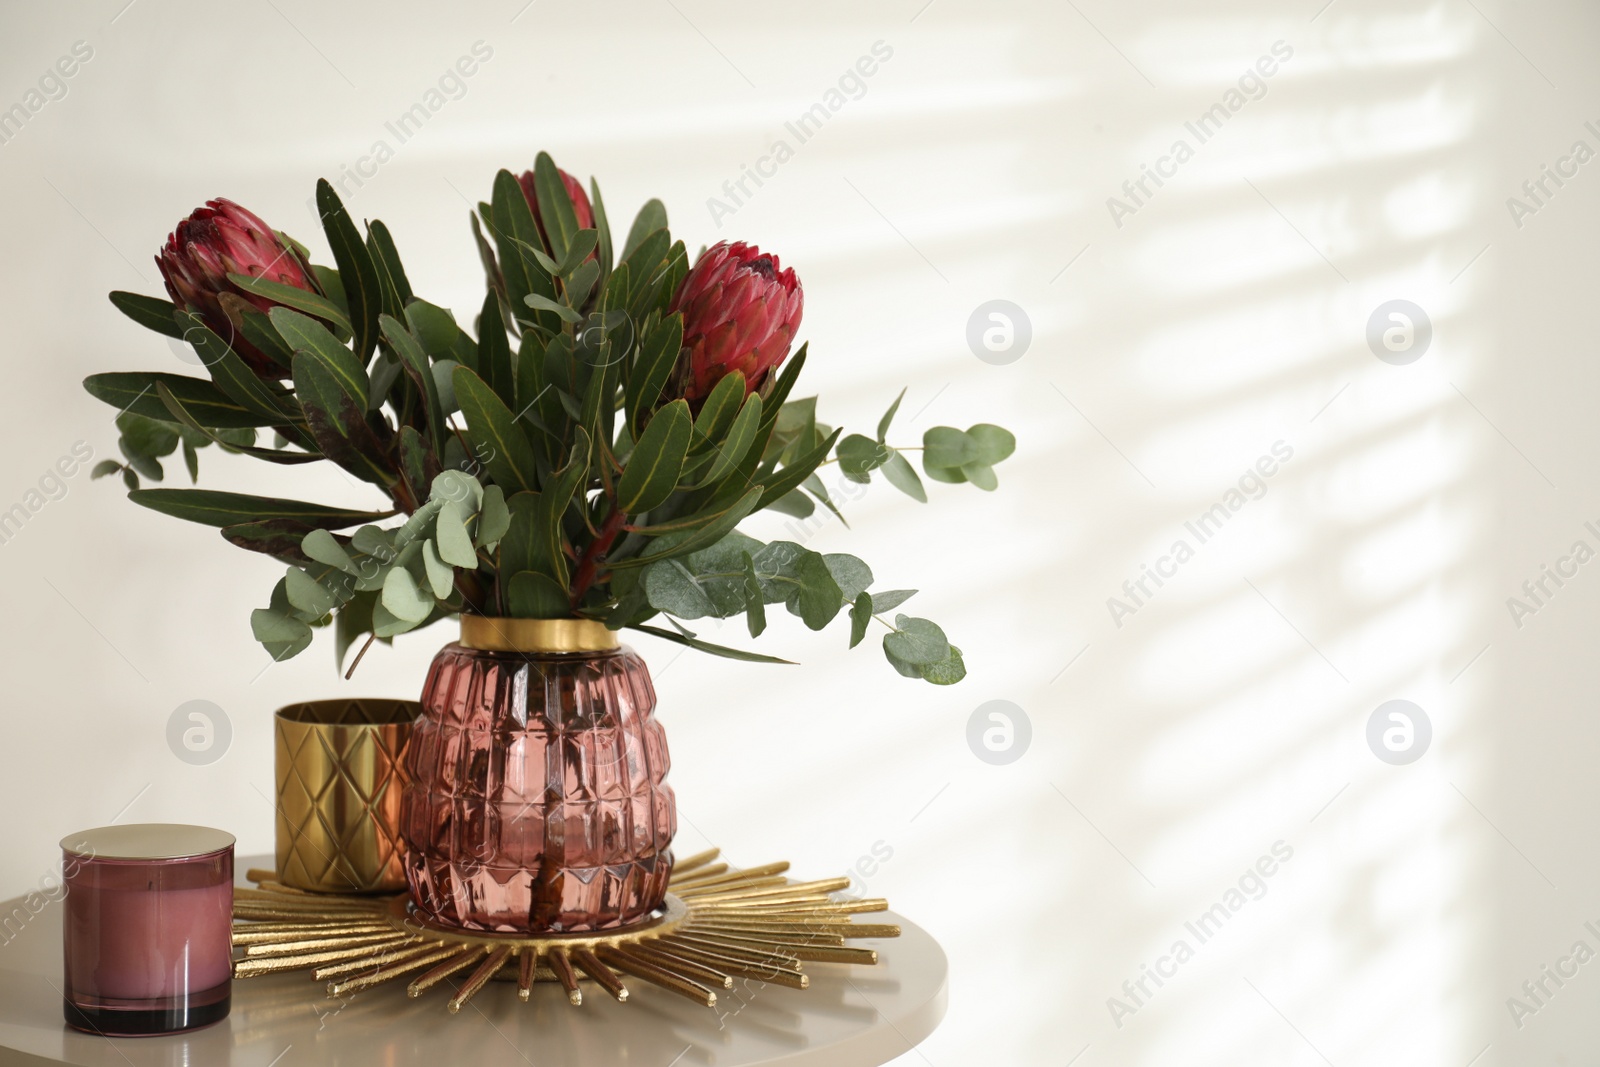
(850, 1017)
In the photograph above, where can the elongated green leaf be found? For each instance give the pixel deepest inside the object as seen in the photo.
(211, 508)
(272, 455)
(718, 411)
(292, 296)
(135, 391)
(150, 312)
(675, 545)
(537, 596)
(903, 476)
(415, 360)
(555, 205)
(356, 270)
(495, 365)
(279, 538)
(494, 519)
(501, 445)
(233, 377)
(305, 334)
(338, 420)
(741, 437)
(387, 259)
(440, 336)
(651, 217)
(555, 307)
(797, 472)
(512, 226)
(706, 646)
(652, 471)
(603, 226)
(888, 417)
(658, 354)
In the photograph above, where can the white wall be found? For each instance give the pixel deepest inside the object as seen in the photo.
(1226, 314)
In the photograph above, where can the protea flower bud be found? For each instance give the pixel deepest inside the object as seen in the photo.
(740, 313)
(580, 202)
(219, 239)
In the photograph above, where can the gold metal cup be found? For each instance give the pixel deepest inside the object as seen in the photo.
(341, 772)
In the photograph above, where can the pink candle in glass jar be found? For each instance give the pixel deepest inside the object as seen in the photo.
(147, 928)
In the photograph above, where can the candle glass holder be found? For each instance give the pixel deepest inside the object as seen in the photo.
(146, 932)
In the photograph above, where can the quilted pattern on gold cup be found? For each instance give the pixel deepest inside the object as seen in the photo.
(340, 774)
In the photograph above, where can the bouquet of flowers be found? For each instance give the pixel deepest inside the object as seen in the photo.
(587, 450)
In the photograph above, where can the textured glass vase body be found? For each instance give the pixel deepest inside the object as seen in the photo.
(536, 798)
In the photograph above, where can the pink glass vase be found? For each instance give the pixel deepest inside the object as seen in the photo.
(536, 799)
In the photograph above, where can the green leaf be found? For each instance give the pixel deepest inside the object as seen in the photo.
(755, 605)
(671, 587)
(794, 503)
(944, 447)
(440, 336)
(657, 460)
(718, 411)
(859, 454)
(338, 419)
(212, 508)
(860, 618)
(706, 646)
(545, 303)
(681, 544)
(386, 623)
(537, 596)
(601, 225)
(651, 217)
(236, 379)
(555, 204)
(888, 417)
(206, 435)
(387, 259)
(323, 547)
(994, 443)
(292, 296)
(500, 444)
(891, 599)
(455, 546)
(852, 574)
(282, 635)
(515, 233)
(658, 355)
(819, 598)
(903, 476)
(356, 270)
(493, 519)
(495, 364)
(305, 334)
(150, 312)
(949, 475)
(279, 538)
(981, 475)
(103, 468)
(403, 598)
(307, 594)
(916, 641)
(946, 672)
(441, 577)
(414, 358)
(741, 438)
(797, 472)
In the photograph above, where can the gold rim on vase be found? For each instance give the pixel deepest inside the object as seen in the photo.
(549, 636)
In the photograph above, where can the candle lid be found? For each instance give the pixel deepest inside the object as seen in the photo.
(147, 841)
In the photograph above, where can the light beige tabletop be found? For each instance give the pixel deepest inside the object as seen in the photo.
(850, 1017)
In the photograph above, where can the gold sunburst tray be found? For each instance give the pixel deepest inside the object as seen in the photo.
(717, 924)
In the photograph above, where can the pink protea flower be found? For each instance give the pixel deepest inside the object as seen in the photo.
(741, 311)
(580, 202)
(223, 238)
